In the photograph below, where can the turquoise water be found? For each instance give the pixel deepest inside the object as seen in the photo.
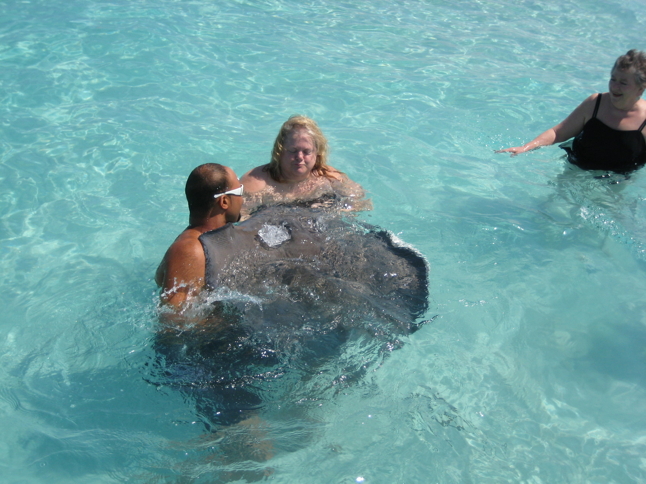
(533, 371)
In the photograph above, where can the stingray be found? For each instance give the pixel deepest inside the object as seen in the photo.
(287, 289)
(297, 262)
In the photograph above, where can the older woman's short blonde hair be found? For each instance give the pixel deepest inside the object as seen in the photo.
(296, 123)
(635, 59)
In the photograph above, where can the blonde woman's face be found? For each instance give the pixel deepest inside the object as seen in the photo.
(298, 157)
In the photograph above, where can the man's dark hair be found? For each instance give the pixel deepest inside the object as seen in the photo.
(205, 181)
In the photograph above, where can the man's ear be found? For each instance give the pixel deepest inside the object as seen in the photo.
(224, 202)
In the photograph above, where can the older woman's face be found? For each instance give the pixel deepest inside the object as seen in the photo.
(298, 157)
(624, 90)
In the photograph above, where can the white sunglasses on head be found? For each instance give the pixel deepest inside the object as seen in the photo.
(236, 191)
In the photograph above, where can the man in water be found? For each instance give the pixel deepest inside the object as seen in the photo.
(214, 196)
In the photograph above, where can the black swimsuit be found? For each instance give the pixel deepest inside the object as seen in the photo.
(600, 147)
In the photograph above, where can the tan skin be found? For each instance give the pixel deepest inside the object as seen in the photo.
(621, 108)
(181, 273)
(297, 162)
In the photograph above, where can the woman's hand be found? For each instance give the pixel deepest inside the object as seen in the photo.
(516, 150)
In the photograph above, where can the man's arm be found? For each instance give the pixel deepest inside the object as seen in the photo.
(181, 273)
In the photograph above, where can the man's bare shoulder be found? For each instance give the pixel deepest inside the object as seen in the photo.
(256, 179)
(181, 272)
(184, 253)
(187, 248)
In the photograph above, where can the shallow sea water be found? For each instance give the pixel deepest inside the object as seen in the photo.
(534, 367)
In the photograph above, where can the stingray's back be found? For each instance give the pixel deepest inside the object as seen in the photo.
(300, 261)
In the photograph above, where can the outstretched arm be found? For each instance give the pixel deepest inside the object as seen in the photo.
(566, 129)
(544, 139)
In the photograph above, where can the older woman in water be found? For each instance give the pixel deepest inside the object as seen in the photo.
(298, 171)
(608, 128)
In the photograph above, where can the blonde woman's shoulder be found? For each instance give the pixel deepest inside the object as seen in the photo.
(256, 179)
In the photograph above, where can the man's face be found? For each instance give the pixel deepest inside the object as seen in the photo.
(235, 204)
